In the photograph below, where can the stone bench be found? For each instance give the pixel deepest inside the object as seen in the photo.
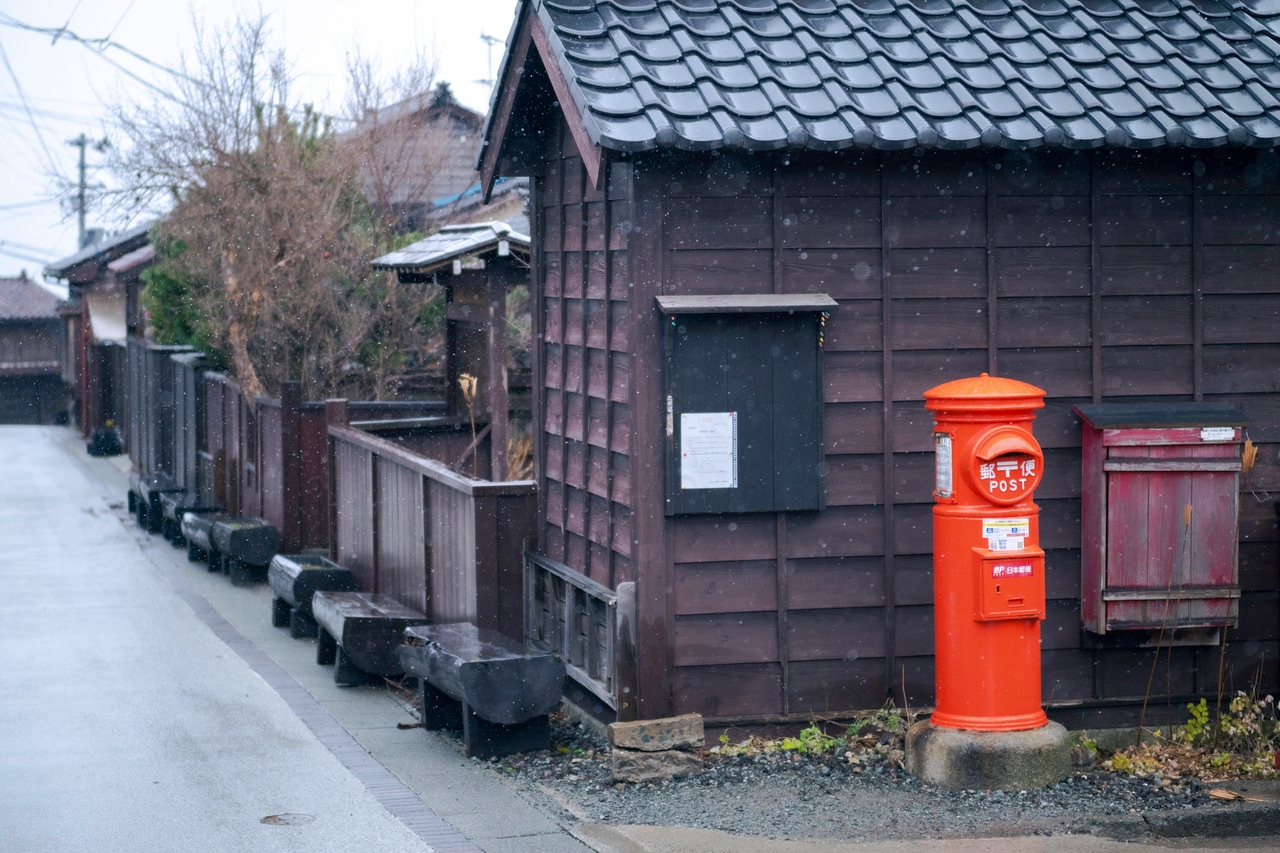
(173, 506)
(294, 578)
(498, 689)
(361, 632)
(144, 498)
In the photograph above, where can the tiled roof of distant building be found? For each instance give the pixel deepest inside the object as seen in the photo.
(23, 299)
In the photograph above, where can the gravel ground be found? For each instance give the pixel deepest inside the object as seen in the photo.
(859, 795)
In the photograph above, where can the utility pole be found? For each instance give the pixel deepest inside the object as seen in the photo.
(490, 41)
(81, 142)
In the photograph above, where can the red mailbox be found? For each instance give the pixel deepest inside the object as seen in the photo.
(988, 569)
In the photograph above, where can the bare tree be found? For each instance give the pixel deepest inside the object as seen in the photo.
(273, 217)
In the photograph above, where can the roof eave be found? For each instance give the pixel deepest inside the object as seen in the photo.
(528, 31)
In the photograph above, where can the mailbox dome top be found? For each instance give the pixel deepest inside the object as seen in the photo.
(986, 389)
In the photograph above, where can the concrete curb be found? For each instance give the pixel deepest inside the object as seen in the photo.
(1218, 820)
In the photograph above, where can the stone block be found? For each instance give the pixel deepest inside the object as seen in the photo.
(630, 765)
(683, 732)
(986, 761)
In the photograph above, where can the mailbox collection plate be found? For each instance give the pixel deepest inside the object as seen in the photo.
(1010, 586)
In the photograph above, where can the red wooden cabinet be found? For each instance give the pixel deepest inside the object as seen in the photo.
(1161, 516)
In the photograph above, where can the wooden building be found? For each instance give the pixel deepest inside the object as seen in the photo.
(1084, 196)
(103, 311)
(31, 347)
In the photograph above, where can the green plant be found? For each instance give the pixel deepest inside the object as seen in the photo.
(811, 741)
(1194, 731)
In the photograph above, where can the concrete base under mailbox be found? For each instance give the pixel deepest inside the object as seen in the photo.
(984, 761)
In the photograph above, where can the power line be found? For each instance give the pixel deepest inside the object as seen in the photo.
(100, 46)
(22, 95)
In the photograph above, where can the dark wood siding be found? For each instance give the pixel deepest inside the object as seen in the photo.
(1096, 276)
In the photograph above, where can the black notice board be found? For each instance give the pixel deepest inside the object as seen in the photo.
(766, 368)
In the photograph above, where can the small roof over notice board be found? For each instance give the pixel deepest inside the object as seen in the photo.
(418, 261)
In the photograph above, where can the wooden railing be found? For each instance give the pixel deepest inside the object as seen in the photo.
(438, 541)
(590, 626)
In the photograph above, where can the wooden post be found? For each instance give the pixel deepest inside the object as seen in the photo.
(291, 465)
(498, 406)
(337, 413)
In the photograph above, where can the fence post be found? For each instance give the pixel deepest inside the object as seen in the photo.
(337, 413)
(624, 653)
(291, 464)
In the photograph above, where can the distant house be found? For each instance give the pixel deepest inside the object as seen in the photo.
(102, 312)
(818, 209)
(31, 347)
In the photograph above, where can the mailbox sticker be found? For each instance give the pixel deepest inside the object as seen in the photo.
(942, 463)
(1011, 570)
(1217, 433)
(1006, 534)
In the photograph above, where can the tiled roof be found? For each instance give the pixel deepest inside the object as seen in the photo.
(106, 249)
(450, 242)
(892, 74)
(23, 299)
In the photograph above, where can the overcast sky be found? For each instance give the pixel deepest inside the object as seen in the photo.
(51, 91)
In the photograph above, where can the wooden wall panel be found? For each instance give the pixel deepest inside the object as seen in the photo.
(1242, 319)
(853, 427)
(723, 638)
(1043, 322)
(713, 538)
(936, 222)
(719, 223)
(727, 692)
(742, 586)
(1143, 270)
(1145, 220)
(1146, 321)
(1041, 220)
(704, 272)
(1043, 272)
(830, 686)
(842, 273)
(838, 222)
(933, 324)
(855, 480)
(843, 582)
(835, 634)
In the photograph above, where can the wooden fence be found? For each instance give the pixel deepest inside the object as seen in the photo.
(589, 626)
(411, 527)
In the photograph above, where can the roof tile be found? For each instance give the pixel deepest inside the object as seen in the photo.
(23, 299)
(765, 74)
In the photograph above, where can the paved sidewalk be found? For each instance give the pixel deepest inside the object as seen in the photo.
(148, 705)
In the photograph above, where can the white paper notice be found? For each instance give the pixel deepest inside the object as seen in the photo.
(709, 450)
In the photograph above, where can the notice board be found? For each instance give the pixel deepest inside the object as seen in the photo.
(743, 397)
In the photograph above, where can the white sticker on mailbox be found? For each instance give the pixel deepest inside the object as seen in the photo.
(1217, 433)
(942, 464)
(1006, 534)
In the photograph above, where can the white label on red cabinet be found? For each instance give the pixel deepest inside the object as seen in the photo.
(1006, 534)
(1217, 433)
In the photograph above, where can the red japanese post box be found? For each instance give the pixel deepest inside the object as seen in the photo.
(988, 569)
